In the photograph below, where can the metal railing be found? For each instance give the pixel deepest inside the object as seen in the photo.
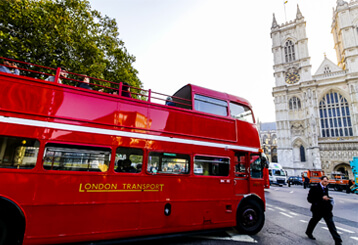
(65, 77)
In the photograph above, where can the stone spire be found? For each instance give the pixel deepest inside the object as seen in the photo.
(274, 22)
(299, 14)
(341, 2)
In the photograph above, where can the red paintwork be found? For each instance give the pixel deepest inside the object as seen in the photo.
(56, 209)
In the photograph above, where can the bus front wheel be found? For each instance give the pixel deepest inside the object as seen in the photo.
(250, 218)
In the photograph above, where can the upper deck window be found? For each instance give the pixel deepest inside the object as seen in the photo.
(76, 158)
(241, 112)
(210, 105)
(17, 152)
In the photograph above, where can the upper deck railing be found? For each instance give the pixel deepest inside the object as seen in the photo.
(62, 76)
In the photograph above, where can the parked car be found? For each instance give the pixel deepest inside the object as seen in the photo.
(294, 180)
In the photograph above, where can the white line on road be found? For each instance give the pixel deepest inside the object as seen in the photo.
(282, 209)
(327, 230)
(293, 213)
(236, 238)
(304, 221)
(286, 214)
(291, 192)
(271, 209)
(354, 238)
(348, 231)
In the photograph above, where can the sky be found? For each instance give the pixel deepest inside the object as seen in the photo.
(223, 45)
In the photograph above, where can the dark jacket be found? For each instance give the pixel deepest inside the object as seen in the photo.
(84, 85)
(320, 206)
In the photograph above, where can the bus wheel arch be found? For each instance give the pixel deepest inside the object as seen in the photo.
(12, 222)
(250, 215)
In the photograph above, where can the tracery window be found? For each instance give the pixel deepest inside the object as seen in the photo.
(335, 116)
(294, 103)
(289, 51)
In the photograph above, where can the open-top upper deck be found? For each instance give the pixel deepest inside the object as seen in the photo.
(192, 113)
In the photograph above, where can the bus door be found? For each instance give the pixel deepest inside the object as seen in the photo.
(241, 171)
(257, 181)
(211, 190)
(165, 202)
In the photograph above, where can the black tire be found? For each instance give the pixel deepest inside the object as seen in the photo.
(250, 218)
(9, 233)
(3, 233)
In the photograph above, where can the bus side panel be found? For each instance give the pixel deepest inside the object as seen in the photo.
(248, 134)
(94, 205)
(53, 101)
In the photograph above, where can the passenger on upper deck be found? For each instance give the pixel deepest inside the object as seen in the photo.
(63, 73)
(12, 69)
(85, 83)
(125, 90)
(169, 101)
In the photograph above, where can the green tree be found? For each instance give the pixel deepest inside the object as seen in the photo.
(65, 33)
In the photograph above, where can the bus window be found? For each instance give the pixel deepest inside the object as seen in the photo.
(241, 112)
(211, 166)
(210, 105)
(240, 160)
(256, 167)
(16, 152)
(76, 158)
(168, 163)
(128, 160)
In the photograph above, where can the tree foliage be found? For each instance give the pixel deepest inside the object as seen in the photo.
(65, 33)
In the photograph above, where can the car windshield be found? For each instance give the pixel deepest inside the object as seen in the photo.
(279, 173)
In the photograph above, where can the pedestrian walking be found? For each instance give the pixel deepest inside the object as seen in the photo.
(322, 205)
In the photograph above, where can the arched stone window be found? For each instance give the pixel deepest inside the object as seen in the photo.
(289, 51)
(302, 153)
(294, 103)
(335, 116)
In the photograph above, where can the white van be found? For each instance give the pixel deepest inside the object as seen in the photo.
(277, 174)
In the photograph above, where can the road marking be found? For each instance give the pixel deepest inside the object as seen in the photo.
(294, 214)
(282, 209)
(291, 192)
(236, 238)
(304, 221)
(354, 238)
(321, 222)
(327, 230)
(271, 209)
(348, 231)
(268, 205)
(286, 214)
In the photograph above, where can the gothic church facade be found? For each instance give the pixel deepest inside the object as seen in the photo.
(316, 114)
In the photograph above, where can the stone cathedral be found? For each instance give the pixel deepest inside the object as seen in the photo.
(316, 113)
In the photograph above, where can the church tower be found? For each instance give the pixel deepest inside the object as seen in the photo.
(296, 109)
(290, 50)
(345, 34)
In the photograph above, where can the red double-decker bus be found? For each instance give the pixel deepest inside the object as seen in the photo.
(85, 165)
